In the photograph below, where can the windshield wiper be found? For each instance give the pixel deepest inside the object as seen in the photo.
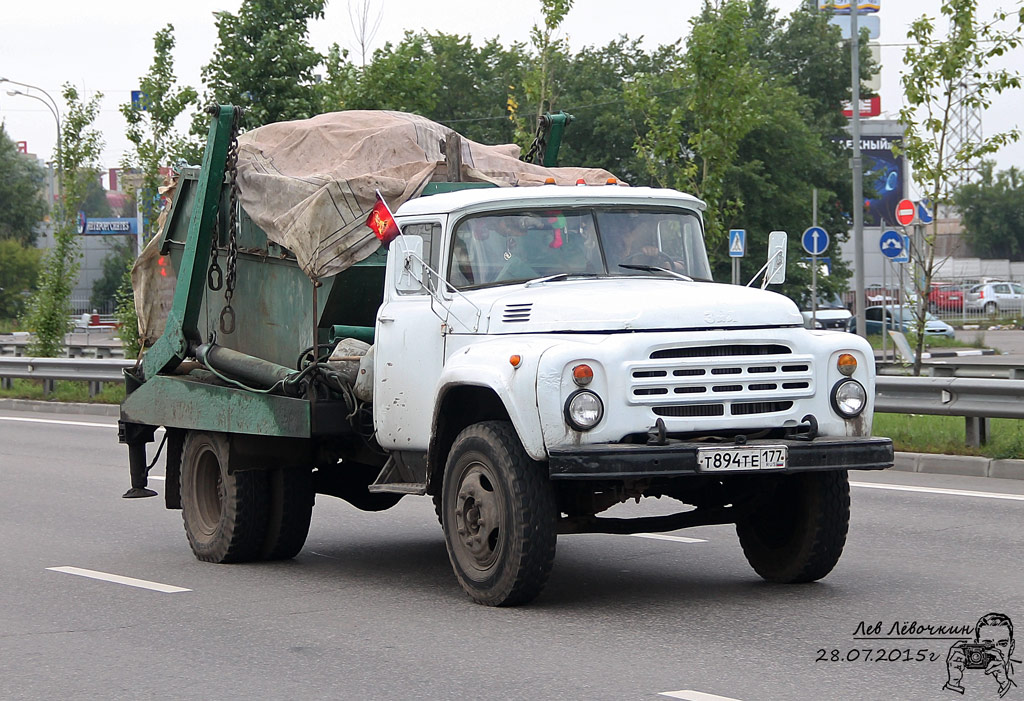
(558, 276)
(655, 268)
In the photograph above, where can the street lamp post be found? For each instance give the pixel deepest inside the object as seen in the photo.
(51, 105)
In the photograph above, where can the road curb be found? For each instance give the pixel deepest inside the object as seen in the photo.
(60, 407)
(931, 463)
(964, 465)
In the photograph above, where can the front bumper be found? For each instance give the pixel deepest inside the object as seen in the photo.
(615, 461)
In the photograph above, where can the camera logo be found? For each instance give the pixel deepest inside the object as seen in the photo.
(991, 651)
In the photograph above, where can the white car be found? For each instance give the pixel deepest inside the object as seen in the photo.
(831, 314)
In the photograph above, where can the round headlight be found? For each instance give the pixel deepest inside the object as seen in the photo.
(583, 410)
(849, 398)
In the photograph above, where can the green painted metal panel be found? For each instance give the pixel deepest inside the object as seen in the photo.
(178, 402)
(172, 347)
(438, 188)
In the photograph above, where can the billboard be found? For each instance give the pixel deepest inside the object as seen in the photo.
(109, 225)
(884, 178)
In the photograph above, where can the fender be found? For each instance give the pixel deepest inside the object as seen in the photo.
(487, 364)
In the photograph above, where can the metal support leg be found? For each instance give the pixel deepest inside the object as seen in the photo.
(977, 431)
(137, 436)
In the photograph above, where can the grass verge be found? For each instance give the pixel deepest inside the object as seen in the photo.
(916, 433)
(64, 391)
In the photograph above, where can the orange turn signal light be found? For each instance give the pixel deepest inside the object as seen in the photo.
(846, 364)
(582, 375)
(515, 360)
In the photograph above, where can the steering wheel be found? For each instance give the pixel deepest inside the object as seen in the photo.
(661, 259)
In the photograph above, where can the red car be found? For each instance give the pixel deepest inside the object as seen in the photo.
(946, 298)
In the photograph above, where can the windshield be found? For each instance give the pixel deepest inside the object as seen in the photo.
(517, 246)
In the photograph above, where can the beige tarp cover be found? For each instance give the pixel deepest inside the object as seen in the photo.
(309, 184)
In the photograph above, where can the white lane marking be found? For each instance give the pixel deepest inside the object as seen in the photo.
(939, 490)
(56, 421)
(690, 695)
(118, 579)
(662, 536)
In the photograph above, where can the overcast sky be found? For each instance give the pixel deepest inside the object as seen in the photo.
(106, 45)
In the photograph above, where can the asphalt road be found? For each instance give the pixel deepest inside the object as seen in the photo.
(370, 609)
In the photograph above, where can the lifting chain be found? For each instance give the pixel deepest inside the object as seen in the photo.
(540, 143)
(227, 314)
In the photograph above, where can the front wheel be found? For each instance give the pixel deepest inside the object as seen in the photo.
(499, 516)
(797, 533)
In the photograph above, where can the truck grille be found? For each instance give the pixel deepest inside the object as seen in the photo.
(721, 380)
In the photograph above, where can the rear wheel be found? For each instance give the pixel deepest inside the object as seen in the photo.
(798, 532)
(991, 308)
(225, 513)
(499, 516)
(290, 510)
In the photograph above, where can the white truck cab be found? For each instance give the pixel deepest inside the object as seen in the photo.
(577, 330)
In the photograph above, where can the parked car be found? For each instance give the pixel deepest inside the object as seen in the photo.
(995, 297)
(899, 319)
(946, 298)
(831, 314)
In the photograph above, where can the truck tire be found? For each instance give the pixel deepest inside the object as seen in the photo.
(290, 510)
(798, 534)
(499, 516)
(225, 513)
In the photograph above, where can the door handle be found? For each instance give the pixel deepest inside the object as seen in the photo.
(385, 319)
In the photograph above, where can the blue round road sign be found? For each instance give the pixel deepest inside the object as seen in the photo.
(891, 244)
(815, 240)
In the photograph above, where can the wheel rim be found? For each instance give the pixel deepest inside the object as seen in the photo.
(209, 495)
(479, 520)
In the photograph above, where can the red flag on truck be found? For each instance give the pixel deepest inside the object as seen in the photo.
(382, 221)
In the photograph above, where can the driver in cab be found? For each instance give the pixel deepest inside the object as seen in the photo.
(635, 245)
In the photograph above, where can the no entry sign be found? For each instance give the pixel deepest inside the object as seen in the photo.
(905, 212)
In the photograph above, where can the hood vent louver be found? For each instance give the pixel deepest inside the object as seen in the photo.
(517, 313)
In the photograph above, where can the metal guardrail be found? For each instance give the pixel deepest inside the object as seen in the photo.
(83, 369)
(977, 399)
(95, 371)
(974, 398)
(957, 368)
(950, 396)
(79, 344)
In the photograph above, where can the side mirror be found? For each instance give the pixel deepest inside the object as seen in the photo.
(776, 273)
(409, 268)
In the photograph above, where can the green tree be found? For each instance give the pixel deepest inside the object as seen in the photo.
(263, 61)
(944, 75)
(95, 203)
(540, 82)
(692, 141)
(401, 77)
(747, 119)
(606, 125)
(22, 200)
(993, 213)
(49, 309)
(155, 141)
(119, 258)
(19, 268)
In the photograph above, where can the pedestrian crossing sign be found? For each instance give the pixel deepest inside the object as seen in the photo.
(737, 242)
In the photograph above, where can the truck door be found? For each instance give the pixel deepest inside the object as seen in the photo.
(408, 344)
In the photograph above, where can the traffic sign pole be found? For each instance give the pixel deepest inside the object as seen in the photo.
(737, 249)
(814, 262)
